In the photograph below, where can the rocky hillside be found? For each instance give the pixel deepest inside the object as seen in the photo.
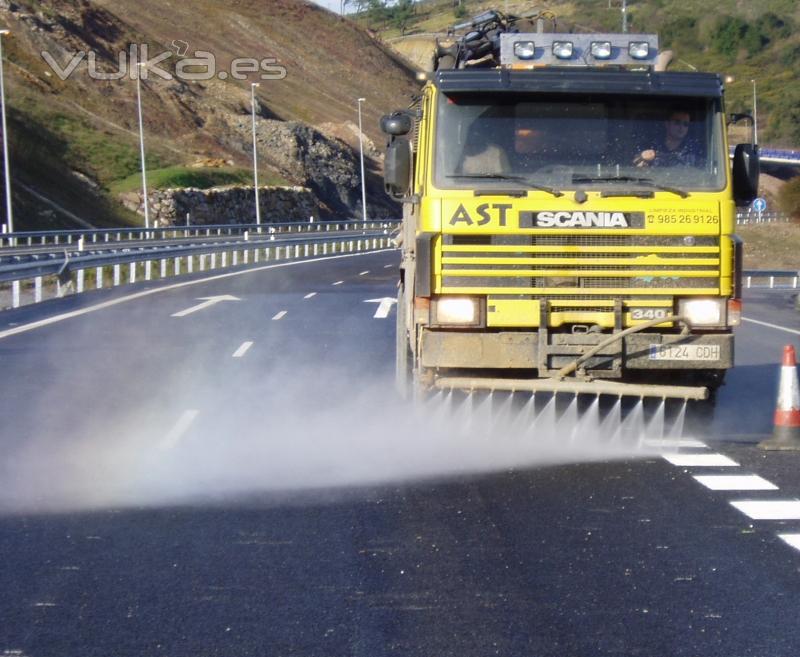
(74, 136)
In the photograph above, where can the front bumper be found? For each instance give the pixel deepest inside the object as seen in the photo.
(548, 352)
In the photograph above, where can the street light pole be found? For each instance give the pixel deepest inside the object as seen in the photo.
(140, 67)
(361, 151)
(755, 113)
(253, 86)
(9, 213)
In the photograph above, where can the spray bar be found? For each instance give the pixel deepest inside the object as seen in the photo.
(596, 387)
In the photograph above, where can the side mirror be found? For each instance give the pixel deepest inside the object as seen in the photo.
(396, 124)
(397, 168)
(746, 171)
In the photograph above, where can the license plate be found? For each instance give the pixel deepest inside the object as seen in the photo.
(684, 352)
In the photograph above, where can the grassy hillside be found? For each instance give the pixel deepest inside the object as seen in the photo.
(747, 40)
(75, 141)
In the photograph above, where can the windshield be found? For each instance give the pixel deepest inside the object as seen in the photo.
(590, 141)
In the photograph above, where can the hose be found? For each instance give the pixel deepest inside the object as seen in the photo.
(569, 369)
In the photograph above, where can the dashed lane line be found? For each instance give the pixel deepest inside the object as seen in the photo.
(769, 509)
(735, 482)
(700, 460)
(791, 539)
(242, 350)
(181, 427)
(166, 288)
(389, 266)
(364, 273)
(309, 295)
(279, 315)
(772, 326)
(337, 283)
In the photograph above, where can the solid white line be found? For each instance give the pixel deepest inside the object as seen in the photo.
(175, 286)
(773, 326)
(309, 295)
(280, 315)
(242, 350)
(337, 283)
(700, 460)
(791, 539)
(769, 509)
(735, 482)
(180, 428)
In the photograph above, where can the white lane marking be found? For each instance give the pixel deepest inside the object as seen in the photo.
(384, 306)
(674, 443)
(700, 460)
(175, 286)
(309, 295)
(180, 428)
(735, 482)
(773, 326)
(364, 273)
(207, 303)
(242, 350)
(769, 509)
(280, 315)
(791, 539)
(337, 283)
(388, 266)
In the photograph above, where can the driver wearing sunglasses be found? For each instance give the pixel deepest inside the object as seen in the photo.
(675, 148)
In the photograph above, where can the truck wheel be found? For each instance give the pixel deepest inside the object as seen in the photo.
(404, 358)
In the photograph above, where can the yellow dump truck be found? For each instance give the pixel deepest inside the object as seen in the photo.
(568, 222)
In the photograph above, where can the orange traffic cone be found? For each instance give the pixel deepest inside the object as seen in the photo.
(786, 434)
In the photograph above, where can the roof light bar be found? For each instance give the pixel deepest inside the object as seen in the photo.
(526, 50)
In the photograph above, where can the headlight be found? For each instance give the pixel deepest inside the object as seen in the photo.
(703, 312)
(524, 49)
(601, 49)
(639, 49)
(562, 49)
(456, 310)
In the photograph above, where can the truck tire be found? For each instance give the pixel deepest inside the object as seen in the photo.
(404, 358)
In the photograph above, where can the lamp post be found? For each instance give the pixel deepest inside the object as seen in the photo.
(253, 86)
(361, 152)
(9, 214)
(140, 67)
(755, 114)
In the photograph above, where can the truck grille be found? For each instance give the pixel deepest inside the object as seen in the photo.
(579, 264)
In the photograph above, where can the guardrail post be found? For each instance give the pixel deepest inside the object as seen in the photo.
(771, 282)
(15, 294)
(325, 248)
(98, 278)
(116, 275)
(147, 270)
(316, 248)
(296, 250)
(224, 259)
(202, 262)
(79, 282)
(794, 282)
(351, 246)
(190, 264)
(132, 273)
(255, 256)
(37, 289)
(163, 272)
(176, 271)
(235, 259)
(306, 250)
(213, 261)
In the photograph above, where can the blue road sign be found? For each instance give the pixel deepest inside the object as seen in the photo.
(759, 204)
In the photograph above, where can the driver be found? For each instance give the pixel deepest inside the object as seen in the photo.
(674, 149)
(482, 153)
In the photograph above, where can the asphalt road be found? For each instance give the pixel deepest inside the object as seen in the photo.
(239, 480)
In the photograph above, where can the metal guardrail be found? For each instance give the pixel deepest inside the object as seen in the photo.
(33, 282)
(752, 217)
(772, 279)
(106, 235)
